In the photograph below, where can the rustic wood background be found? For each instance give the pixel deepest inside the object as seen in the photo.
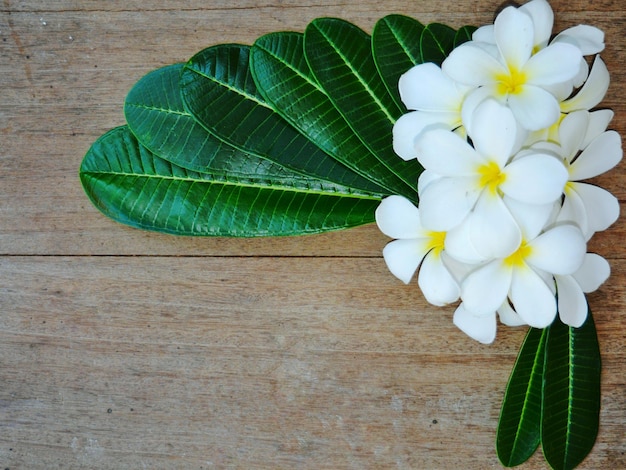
(126, 349)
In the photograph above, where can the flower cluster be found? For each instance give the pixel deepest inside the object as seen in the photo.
(506, 132)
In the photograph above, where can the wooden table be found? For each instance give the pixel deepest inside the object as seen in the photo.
(126, 349)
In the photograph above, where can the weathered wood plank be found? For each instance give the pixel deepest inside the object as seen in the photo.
(114, 362)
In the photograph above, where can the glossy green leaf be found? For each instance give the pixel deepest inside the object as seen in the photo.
(437, 42)
(156, 115)
(396, 48)
(340, 57)
(463, 34)
(571, 394)
(219, 91)
(284, 79)
(130, 184)
(519, 427)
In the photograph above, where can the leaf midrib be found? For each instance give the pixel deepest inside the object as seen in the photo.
(232, 88)
(361, 80)
(570, 388)
(305, 77)
(236, 184)
(159, 109)
(402, 44)
(528, 387)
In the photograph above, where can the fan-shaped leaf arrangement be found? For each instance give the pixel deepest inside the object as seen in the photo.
(289, 136)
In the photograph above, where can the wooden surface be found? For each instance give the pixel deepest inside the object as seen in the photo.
(126, 349)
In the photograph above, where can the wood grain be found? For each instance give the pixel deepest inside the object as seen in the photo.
(128, 349)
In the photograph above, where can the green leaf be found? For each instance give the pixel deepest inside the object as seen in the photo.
(396, 48)
(519, 427)
(219, 91)
(340, 56)
(156, 116)
(133, 186)
(437, 42)
(463, 34)
(571, 394)
(284, 79)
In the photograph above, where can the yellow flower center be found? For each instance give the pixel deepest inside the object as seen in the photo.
(491, 177)
(511, 83)
(516, 259)
(436, 242)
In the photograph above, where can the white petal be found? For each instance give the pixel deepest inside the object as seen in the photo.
(458, 269)
(557, 63)
(602, 154)
(404, 133)
(534, 108)
(458, 245)
(409, 126)
(397, 217)
(472, 101)
(532, 298)
(572, 133)
(425, 178)
(427, 88)
(484, 34)
(560, 250)
(404, 256)
(593, 91)
(577, 81)
(493, 131)
(493, 230)
(573, 211)
(572, 303)
(436, 282)
(514, 36)
(446, 153)
(589, 39)
(531, 218)
(485, 289)
(543, 19)
(594, 271)
(598, 123)
(472, 65)
(535, 179)
(562, 91)
(481, 328)
(601, 206)
(508, 316)
(445, 202)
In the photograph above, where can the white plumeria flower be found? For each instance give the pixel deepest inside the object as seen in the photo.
(517, 76)
(594, 209)
(571, 289)
(589, 39)
(435, 99)
(523, 278)
(398, 218)
(571, 301)
(470, 182)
